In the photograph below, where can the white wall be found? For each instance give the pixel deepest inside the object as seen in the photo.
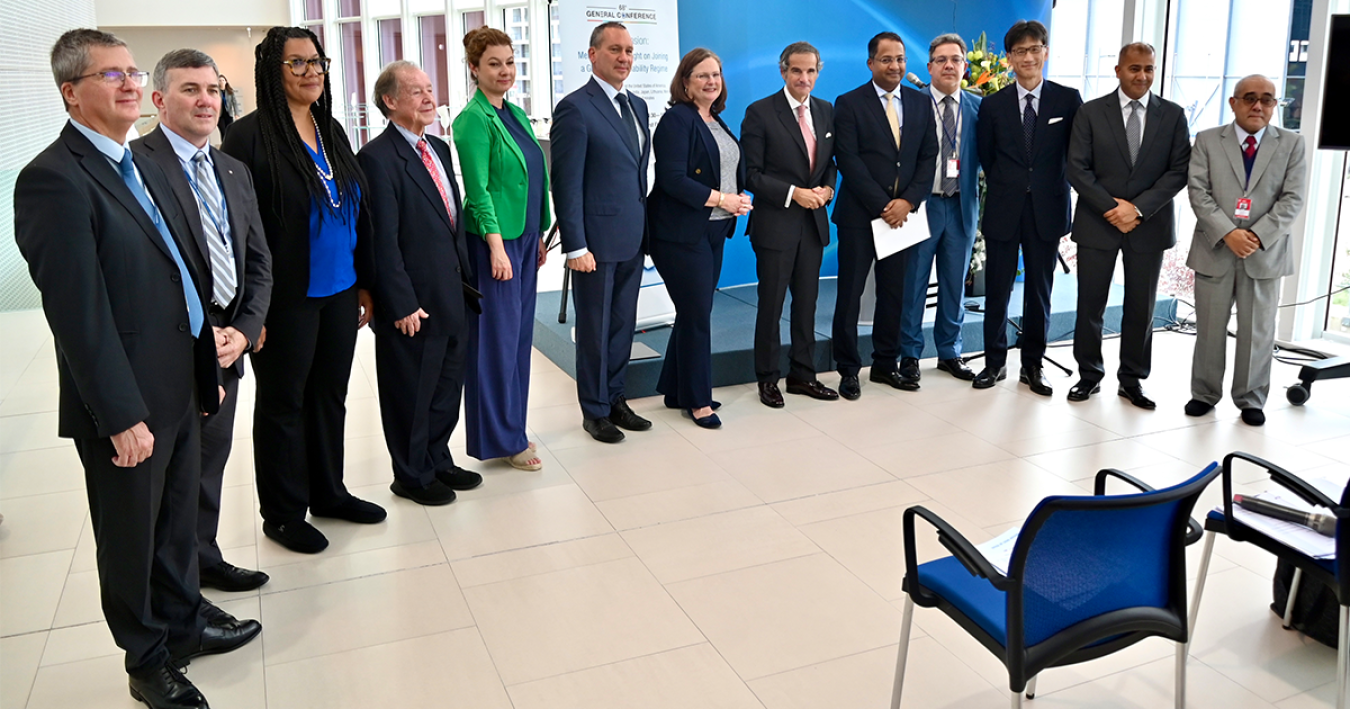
(175, 13)
(231, 47)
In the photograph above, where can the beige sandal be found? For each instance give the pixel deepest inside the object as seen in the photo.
(521, 460)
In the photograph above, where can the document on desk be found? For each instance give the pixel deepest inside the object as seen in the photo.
(1294, 536)
(890, 241)
(999, 549)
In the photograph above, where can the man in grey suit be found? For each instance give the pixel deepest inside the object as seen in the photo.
(1246, 187)
(1127, 159)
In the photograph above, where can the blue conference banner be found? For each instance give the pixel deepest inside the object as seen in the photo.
(749, 34)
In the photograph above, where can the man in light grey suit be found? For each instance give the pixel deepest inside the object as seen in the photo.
(1246, 187)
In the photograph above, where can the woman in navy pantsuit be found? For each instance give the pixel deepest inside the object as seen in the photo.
(691, 212)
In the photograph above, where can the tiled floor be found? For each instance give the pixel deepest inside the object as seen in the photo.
(758, 566)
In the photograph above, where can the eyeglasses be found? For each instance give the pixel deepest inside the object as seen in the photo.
(1251, 100)
(944, 61)
(1035, 51)
(300, 67)
(707, 77)
(117, 78)
(887, 61)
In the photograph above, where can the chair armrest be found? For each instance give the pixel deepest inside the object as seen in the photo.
(1193, 529)
(955, 542)
(1282, 477)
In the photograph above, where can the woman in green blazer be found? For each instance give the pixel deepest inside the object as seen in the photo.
(506, 208)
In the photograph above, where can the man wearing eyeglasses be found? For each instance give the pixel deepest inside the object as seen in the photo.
(1246, 186)
(1023, 140)
(105, 238)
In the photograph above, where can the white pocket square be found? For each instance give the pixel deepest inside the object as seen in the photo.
(827, 135)
(1053, 121)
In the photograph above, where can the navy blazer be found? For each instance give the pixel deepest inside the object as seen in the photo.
(969, 180)
(870, 162)
(415, 249)
(1009, 173)
(688, 166)
(599, 184)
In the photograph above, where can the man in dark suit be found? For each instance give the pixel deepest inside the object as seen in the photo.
(1023, 139)
(788, 139)
(104, 239)
(887, 148)
(601, 146)
(1128, 157)
(228, 248)
(421, 320)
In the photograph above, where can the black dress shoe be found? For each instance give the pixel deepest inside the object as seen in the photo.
(709, 421)
(909, 368)
(621, 415)
(1135, 394)
(673, 404)
(769, 395)
(299, 536)
(849, 388)
(228, 577)
(457, 478)
(166, 688)
(433, 495)
(1083, 390)
(1196, 407)
(1253, 417)
(1035, 378)
(894, 379)
(223, 633)
(957, 368)
(353, 509)
(812, 388)
(602, 429)
(988, 378)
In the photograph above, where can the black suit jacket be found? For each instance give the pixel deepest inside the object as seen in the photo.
(111, 292)
(1100, 170)
(688, 168)
(284, 206)
(776, 161)
(420, 262)
(253, 260)
(1011, 175)
(870, 162)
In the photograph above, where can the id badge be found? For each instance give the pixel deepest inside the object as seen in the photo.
(1243, 210)
(953, 167)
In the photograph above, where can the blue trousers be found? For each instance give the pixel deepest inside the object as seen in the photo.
(497, 378)
(950, 245)
(606, 309)
(691, 272)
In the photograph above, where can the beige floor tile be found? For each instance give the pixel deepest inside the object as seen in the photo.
(366, 461)
(86, 551)
(1335, 448)
(79, 642)
(793, 469)
(1319, 698)
(31, 591)
(239, 467)
(934, 679)
(1300, 425)
(1049, 442)
(19, 658)
(871, 545)
(29, 432)
(717, 543)
(551, 624)
(678, 504)
(1084, 461)
(1006, 418)
(666, 459)
(688, 677)
(1150, 686)
(832, 505)
(100, 683)
(407, 523)
(533, 561)
(747, 426)
(1208, 442)
(790, 614)
(475, 527)
(499, 478)
(559, 427)
(39, 472)
(362, 612)
(80, 601)
(552, 388)
(934, 455)
(872, 420)
(238, 518)
(43, 523)
(325, 568)
(449, 669)
(996, 492)
(1118, 416)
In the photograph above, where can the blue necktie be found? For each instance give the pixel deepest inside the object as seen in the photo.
(194, 303)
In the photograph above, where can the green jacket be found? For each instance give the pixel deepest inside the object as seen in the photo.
(496, 184)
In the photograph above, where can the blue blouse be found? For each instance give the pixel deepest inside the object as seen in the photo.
(332, 239)
(534, 167)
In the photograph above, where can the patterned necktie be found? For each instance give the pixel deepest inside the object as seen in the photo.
(1134, 132)
(1249, 154)
(629, 124)
(1029, 124)
(425, 151)
(948, 145)
(196, 315)
(223, 279)
(893, 118)
(807, 136)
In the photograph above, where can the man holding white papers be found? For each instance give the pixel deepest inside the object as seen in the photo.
(887, 149)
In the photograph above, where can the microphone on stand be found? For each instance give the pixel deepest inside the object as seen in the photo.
(913, 78)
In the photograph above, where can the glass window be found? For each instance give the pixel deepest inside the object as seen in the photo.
(472, 21)
(1338, 309)
(391, 40)
(434, 60)
(349, 8)
(518, 28)
(351, 109)
(313, 9)
(555, 53)
(318, 32)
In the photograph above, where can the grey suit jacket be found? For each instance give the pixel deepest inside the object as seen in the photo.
(1276, 190)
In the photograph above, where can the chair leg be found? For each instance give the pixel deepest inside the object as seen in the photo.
(1200, 586)
(1293, 593)
(1182, 652)
(903, 653)
(1342, 657)
(1031, 687)
(1016, 700)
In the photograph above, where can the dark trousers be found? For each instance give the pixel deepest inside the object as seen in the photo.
(1095, 269)
(420, 378)
(1039, 257)
(606, 308)
(217, 440)
(301, 405)
(796, 270)
(497, 392)
(857, 253)
(144, 521)
(690, 272)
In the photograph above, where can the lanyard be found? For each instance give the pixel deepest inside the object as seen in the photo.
(217, 221)
(951, 137)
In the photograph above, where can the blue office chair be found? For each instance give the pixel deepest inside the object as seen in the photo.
(1326, 571)
(1088, 576)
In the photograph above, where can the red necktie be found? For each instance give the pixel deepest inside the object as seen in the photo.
(425, 151)
(1250, 150)
(807, 135)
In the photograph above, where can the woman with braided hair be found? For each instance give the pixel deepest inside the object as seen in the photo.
(309, 190)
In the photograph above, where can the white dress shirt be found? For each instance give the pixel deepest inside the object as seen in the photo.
(810, 125)
(1143, 111)
(1035, 98)
(895, 96)
(186, 151)
(938, 96)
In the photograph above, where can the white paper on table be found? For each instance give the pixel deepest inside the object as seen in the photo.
(999, 549)
(890, 241)
(1295, 536)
